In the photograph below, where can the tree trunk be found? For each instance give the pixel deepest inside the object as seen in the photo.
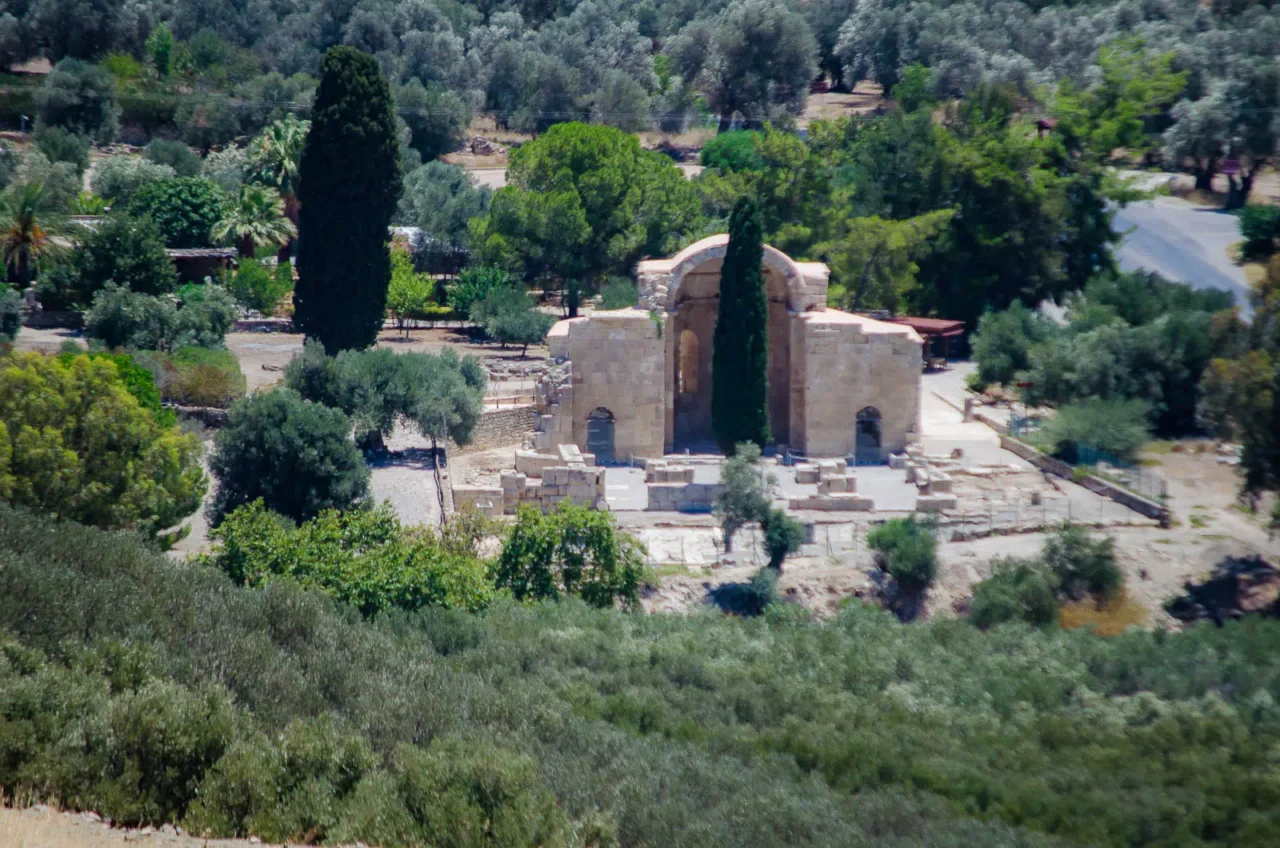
(244, 246)
(1204, 173)
(725, 123)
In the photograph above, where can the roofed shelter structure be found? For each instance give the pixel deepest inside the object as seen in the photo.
(650, 366)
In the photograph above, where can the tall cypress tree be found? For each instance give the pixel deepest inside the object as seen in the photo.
(740, 361)
(349, 183)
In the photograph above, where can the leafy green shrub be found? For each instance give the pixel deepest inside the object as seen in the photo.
(762, 590)
(572, 551)
(118, 178)
(618, 293)
(745, 497)
(1260, 226)
(474, 285)
(81, 98)
(186, 209)
(121, 318)
(290, 790)
(10, 314)
(1119, 427)
(196, 376)
(61, 145)
(441, 395)
(127, 251)
(75, 442)
(1016, 590)
(184, 161)
(295, 455)
(409, 294)
(1003, 342)
(510, 316)
(907, 550)
(783, 536)
(1082, 565)
(256, 287)
(733, 151)
(140, 382)
(673, 725)
(363, 558)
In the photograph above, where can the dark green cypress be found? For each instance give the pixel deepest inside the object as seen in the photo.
(740, 360)
(349, 183)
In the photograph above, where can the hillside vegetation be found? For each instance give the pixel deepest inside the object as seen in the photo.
(154, 691)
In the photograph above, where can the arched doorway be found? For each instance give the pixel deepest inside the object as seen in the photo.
(866, 447)
(600, 435)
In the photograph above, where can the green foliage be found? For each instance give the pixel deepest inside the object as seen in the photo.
(254, 218)
(732, 151)
(140, 382)
(196, 376)
(1118, 427)
(254, 286)
(510, 316)
(184, 161)
(10, 314)
(474, 285)
(1260, 226)
(783, 536)
(441, 395)
(118, 178)
(618, 293)
(740, 377)
(1083, 566)
(441, 199)
(207, 121)
(409, 294)
(186, 209)
(121, 318)
(572, 551)
(62, 145)
(437, 118)
(363, 558)
(581, 202)
(1003, 343)
(1016, 590)
(350, 183)
(653, 728)
(907, 550)
(80, 98)
(875, 262)
(746, 491)
(159, 50)
(294, 455)
(76, 443)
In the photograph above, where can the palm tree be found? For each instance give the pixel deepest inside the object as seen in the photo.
(27, 239)
(255, 217)
(275, 157)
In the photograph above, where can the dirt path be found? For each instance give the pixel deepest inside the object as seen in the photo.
(42, 827)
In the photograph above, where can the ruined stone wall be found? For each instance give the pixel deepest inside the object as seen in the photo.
(619, 365)
(500, 427)
(843, 363)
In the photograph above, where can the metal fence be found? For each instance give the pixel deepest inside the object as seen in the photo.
(1148, 482)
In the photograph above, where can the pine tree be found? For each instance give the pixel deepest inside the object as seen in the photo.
(739, 368)
(349, 187)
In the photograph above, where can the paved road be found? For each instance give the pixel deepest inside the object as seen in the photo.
(1182, 242)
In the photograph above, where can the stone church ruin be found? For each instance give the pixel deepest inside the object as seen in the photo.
(636, 383)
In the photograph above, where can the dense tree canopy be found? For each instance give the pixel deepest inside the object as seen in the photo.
(350, 184)
(75, 443)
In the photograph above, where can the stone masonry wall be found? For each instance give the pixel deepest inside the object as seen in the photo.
(500, 427)
(618, 365)
(843, 363)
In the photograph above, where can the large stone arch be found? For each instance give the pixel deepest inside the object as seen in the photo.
(783, 275)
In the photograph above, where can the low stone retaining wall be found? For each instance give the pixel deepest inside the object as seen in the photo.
(1097, 485)
(499, 428)
(48, 319)
(263, 325)
(209, 416)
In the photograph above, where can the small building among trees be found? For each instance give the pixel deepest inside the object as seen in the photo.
(833, 377)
